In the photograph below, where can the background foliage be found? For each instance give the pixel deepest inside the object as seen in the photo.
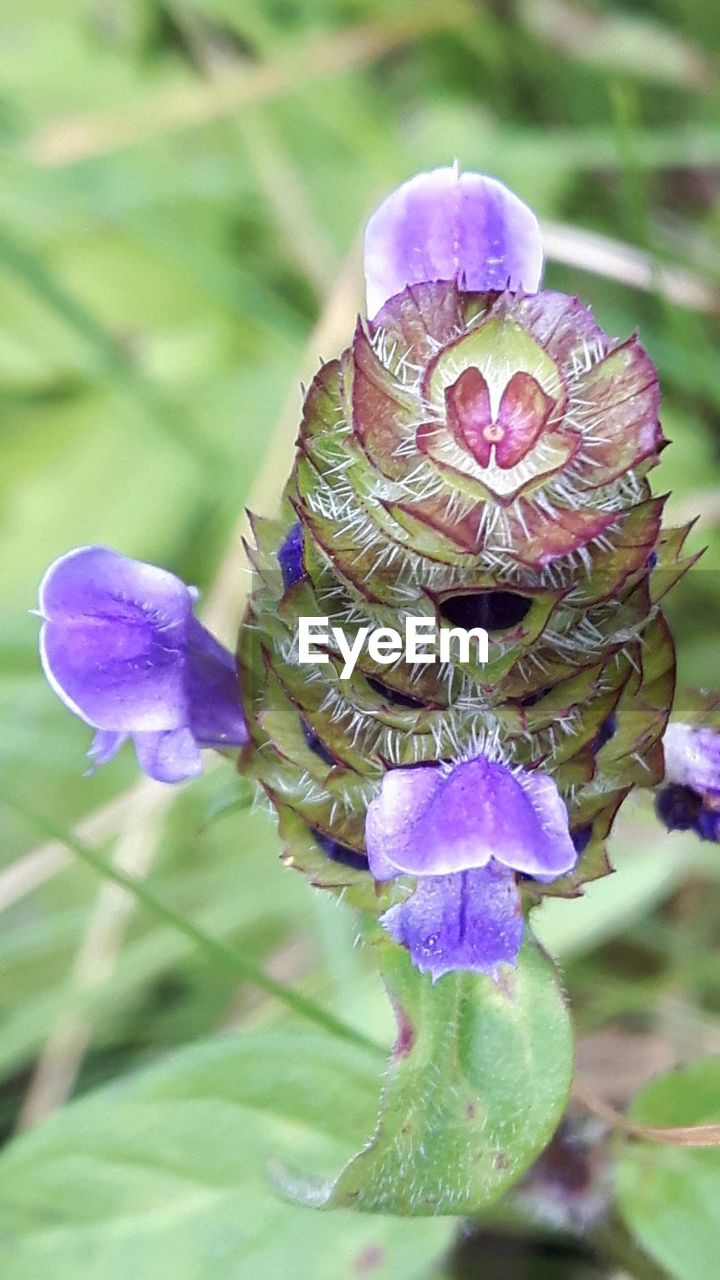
(183, 183)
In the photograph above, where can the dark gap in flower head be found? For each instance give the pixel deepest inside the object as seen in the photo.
(533, 698)
(290, 556)
(605, 732)
(393, 695)
(652, 560)
(340, 852)
(581, 838)
(493, 610)
(316, 744)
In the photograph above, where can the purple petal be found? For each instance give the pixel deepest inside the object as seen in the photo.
(678, 808)
(447, 225)
(692, 757)
(290, 556)
(216, 717)
(104, 746)
(168, 757)
(391, 826)
(553, 851)
(89, 579)
(682, 809)
(708, 824)
(471, 920)
(113, 643)
(426, 822)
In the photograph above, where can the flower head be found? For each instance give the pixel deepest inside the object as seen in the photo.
(121, 648)
(463, 832)
(478, 455)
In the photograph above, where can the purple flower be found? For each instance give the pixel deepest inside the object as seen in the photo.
(121, 648)
(691, 799)
(451, 226)
(464, 831)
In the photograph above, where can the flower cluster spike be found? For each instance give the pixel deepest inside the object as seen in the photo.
(477, 456)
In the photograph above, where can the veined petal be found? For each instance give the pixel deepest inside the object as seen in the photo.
(115, 676)
(104, 746)
(97, 581)
(447, 225)
(113, 642)
(470, 920)
(168, 757)
(429, 822)
(552, 852)
(391, 827)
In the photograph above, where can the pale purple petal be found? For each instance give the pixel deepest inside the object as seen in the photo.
(391, 826)
(470, 920)
(447, 225)
(168, 757)
(552, 853)
(692, 757)
(89, 579)
(112, 646)
(430, 822)
(104, 746)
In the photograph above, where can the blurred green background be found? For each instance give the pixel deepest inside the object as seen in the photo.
(184, 184)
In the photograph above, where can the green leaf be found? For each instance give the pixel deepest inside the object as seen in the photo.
(670, 1195)
(479, 1078)
(164, 1175)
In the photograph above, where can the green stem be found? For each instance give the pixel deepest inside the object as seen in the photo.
(232, 959)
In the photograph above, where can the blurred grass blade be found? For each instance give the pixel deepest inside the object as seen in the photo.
(171, 419)
(242, 965)
(187, 105)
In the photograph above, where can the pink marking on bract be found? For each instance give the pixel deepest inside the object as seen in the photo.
(523, 413)
(468, 408)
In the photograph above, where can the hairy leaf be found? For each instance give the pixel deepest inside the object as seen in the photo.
(478, 1081)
